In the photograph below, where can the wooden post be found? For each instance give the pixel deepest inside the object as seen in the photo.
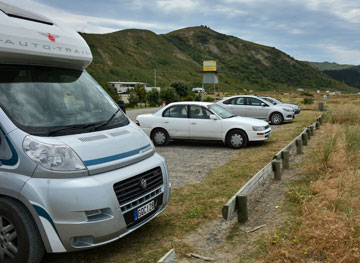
(308, 133)
(317, 125)
(276, 169)
(312, 130)
(241, 207)
(304, 138)
(320, 119)
(285, 154)
(299, 147)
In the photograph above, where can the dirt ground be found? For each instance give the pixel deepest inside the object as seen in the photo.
(211, 240)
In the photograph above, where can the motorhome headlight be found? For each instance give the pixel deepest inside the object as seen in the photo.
(53, 157)
(258, 128)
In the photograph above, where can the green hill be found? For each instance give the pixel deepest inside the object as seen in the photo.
(132, 55)
(350, 77)
(330, 66)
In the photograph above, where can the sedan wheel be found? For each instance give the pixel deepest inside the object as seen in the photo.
(276, 118)
(160, 137)
(237, 139)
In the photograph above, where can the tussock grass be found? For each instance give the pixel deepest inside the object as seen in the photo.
(328, 227)
(344, 114)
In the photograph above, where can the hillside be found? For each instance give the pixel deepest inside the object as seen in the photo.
(330, 66)
(132, 55)
(350, 77)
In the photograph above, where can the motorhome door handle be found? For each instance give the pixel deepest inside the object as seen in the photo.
(193, 123)
(166, 122)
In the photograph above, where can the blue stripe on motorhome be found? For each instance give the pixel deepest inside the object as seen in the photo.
(14, 156)
(42, 212)
(115, 157)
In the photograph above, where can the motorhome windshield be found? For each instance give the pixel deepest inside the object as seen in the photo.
(51, 101)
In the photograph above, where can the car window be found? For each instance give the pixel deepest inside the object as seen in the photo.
(239, 101)
(179, 111)
(254, 102)
(229, 101)
(198, 112)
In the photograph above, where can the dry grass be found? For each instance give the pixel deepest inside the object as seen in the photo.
(327, 229)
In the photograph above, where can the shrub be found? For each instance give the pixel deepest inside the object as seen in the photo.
(209, 99)
(153, 98)
(181, 88)
(133, 98)
(168, 94)
(308, 101)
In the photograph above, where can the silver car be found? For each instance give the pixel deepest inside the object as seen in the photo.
(274, 101)
(255, 107)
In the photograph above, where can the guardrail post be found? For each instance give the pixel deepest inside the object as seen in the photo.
(308, 133)
(312, 130)
(317, 125)
(299, 147)
(276, 169)
(241, 207)
(304, 138)
(285, 154)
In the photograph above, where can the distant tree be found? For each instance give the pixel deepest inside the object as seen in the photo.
(133, 98)
(153, 97)
(181, 88)
(168, 94)
(141, 92)
(111, 91)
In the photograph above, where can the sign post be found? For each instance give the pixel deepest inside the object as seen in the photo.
(210, 75)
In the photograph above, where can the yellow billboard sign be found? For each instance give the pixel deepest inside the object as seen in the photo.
(209, 65)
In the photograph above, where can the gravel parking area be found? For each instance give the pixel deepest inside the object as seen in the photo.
(190, 162)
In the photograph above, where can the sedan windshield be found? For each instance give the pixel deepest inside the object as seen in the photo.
(270, 100)
(222, 112)
(48, 101)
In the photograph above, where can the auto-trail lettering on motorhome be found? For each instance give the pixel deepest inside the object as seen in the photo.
(75, 172)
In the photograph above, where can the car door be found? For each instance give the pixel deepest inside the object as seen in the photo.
(176, 122)
(201, 126)
(238, 106)
(256, 109)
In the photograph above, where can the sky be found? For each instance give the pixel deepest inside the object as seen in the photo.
(311, 30)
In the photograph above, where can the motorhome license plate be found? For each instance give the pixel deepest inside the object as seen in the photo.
(144, 210)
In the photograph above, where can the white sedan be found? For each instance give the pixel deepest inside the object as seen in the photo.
(202, 121)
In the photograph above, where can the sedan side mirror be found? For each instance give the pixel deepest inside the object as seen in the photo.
(213, 117)
(263, 104)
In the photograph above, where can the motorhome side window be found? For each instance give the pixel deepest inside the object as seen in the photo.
(39, 99)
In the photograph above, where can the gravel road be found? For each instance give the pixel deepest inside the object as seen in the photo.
(189, 162)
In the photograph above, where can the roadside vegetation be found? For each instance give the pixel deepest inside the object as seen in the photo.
(322, 209)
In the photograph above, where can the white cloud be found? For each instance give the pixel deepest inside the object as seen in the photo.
(177, 5)
(341, 54)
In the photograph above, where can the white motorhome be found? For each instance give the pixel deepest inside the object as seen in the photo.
(75, 172)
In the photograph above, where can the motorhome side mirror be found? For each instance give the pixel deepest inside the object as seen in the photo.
(213, 117)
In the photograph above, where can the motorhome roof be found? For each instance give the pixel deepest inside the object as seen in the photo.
(30, 39)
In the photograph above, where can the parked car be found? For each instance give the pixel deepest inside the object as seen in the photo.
(121, 104)
(255, 107)
(202, 121)
(274, 101)
(75, 173)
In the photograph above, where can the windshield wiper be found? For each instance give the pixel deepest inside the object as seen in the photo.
(68, 128)
(96, 126)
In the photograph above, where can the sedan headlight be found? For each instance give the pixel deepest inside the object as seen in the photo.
(51, 156)
(286, 109)
(259, 128)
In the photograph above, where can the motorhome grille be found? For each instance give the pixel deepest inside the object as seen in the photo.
(131, 188)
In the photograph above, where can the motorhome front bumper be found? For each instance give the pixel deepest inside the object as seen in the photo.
(94, 210)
